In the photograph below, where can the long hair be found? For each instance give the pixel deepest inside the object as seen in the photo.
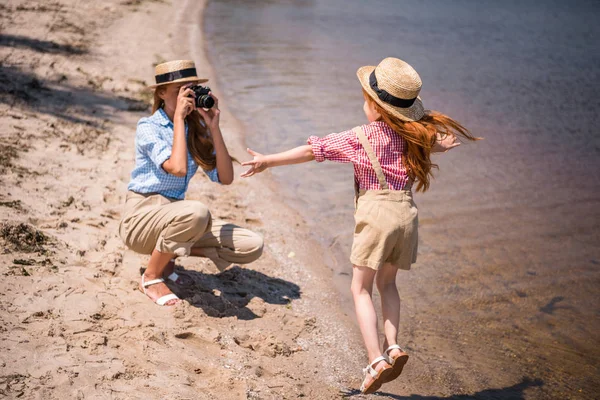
(420, 137)
(199, 142)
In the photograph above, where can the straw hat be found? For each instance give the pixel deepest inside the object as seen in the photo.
(176, 71)
(395, 86)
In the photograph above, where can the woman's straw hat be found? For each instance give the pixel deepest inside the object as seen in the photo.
(395, 86)
(176, 71)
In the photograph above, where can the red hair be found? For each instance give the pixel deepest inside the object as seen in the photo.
(420, 137)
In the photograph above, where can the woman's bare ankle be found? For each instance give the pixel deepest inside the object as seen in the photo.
(170, 268)
(148, 275)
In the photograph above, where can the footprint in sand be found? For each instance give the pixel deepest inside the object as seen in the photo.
(205, 340)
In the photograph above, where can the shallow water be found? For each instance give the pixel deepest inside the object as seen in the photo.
(511, 226)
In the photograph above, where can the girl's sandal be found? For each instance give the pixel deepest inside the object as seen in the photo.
(377, 376)
(397, 362)
(161, 301)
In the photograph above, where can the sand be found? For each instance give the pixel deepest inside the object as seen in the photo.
(73, 325)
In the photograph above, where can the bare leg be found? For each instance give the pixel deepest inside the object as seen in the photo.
(169, 268)
(197, 252)
(155, 270)
(182, 280)
(362, 289)
(390, 305)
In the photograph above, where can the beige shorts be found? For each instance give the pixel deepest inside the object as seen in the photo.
(386, 229)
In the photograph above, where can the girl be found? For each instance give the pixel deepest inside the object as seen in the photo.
(170, 145)
(390, 154)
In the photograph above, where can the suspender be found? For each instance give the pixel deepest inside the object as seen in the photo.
(362, 138)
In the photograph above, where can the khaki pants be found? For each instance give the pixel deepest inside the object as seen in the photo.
(152, 221)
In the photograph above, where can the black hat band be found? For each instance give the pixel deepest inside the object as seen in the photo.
(388, 98)
(172, 76)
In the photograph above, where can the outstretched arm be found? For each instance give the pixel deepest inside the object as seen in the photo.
(261, 162)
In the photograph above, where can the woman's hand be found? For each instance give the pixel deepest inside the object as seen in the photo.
(211, 116)
(185, 102)
(444, 143)
(257, 165)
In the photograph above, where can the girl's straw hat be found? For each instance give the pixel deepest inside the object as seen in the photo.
(395, 86)
(176, 71)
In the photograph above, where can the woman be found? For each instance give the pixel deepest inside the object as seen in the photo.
(170, 145)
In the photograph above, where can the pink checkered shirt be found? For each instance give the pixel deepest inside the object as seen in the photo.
(344, 147)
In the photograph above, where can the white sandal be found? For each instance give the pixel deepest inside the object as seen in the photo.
(161, 301)
(397, 363)
(377, 376)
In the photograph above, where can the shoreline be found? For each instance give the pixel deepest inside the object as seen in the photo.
(478, 313)
(249, 332)
(333, 253)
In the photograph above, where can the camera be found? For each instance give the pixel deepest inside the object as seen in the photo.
(203, 99)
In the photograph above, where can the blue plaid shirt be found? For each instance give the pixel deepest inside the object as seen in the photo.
(153, 145)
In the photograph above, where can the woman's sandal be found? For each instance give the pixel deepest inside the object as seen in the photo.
(378, 376)
(397, 362)
(161, 301)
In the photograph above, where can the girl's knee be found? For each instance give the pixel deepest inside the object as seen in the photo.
(383, 285)
(362, 280)
(386, 277)
(359, 288)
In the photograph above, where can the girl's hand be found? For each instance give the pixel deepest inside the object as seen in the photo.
(185, 102)
(444, 143)
(211, 117)
(257, 165)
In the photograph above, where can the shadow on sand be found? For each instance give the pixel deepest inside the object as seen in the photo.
(228, 293)
(514, 392)
(42, 46)
(59, 99)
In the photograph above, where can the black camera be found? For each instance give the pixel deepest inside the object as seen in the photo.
(203, 99)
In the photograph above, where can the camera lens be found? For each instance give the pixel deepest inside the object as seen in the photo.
(206, 101)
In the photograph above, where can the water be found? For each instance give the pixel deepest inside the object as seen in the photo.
(512, 218)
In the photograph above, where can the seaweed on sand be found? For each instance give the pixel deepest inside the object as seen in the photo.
(7, 155)
(23, 238)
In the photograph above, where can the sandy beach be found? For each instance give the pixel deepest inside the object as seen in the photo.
(73, 324)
